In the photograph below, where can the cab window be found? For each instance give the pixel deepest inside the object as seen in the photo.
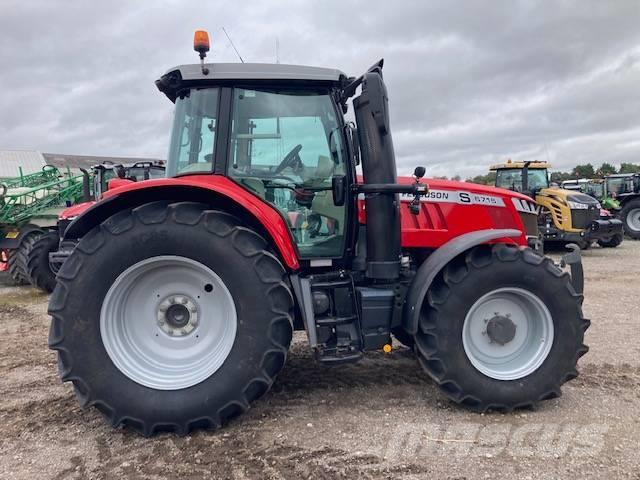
(194, 131)
(286, 146)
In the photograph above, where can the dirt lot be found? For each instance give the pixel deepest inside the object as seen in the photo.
(380, 418)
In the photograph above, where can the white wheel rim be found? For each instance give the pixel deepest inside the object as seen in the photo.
(532, 337)
(633, 219)
(168, 322)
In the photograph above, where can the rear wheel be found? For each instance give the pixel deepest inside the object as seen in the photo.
(630, 215)
(171, 318)
(611, 242)
(18, 258)
(41, 272)
(501, 328)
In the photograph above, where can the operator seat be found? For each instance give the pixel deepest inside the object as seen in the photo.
(323, 201)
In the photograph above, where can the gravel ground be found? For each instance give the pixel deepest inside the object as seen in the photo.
(379, 418)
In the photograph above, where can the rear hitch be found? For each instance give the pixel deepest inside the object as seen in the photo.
(574, 261)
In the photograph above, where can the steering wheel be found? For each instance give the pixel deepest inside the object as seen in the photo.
(291, 159)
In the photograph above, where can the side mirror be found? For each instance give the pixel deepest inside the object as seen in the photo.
(339, 189)
(419, 172)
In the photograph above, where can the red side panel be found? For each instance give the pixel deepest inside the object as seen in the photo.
(74, 210)
(118, 182)
(270, 219)
(453, 209)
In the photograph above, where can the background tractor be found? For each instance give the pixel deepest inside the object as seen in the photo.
(176, 308)
(625, 188)
(29, 208)
(597, 188)
(564, 215)
(44, 255)
(618, 193)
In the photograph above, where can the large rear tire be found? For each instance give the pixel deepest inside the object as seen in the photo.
(630, 215)
(171, 318)
(501, 328)
(41, 272)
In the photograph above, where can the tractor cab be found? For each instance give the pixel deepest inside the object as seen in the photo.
(111, 175)
(283, 140)
(623, 184)
(524, 177)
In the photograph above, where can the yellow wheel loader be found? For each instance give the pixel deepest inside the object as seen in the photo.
(563, 215)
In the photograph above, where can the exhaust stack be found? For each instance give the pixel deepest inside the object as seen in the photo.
(378, 167)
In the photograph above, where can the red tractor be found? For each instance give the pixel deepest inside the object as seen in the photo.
(176, 308)
(45, 254)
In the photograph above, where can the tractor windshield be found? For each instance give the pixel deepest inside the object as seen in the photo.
(511, 179)
(286, 146)
(620, 185)
(194, 129)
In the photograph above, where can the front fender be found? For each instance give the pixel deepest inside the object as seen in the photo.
(437, 260)
(214, 190)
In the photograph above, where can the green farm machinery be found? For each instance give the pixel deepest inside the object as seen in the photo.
(29, 207)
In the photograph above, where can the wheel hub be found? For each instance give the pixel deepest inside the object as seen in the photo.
(508, 333)
(168, 322)
(177, 315)
(501, 329)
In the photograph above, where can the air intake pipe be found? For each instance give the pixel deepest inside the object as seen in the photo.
(378, 167)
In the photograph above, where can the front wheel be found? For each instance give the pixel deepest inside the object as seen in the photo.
(501, 328)
(630, 215)
(611, 242)
(171, 318)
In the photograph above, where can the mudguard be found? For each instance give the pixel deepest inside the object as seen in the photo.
(436, 262)
(9, 241)
(216, 190)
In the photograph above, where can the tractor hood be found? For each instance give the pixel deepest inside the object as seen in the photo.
(452, 208)
(565, 195)
(436, 183)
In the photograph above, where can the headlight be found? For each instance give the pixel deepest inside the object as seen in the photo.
(577, 205)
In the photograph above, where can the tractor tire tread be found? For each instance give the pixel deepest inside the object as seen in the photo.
(40, 272)
(270, 272)
(426, 345)
(624, 212)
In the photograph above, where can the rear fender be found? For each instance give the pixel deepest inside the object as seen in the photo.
(436, 262)
(11, 237)
(216, 191)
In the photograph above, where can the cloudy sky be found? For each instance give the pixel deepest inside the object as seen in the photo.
(470, 83)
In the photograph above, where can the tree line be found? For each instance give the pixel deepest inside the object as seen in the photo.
(579, 171)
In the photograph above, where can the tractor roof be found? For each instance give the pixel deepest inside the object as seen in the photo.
(184, 76)
(519, 165)
(258, 71)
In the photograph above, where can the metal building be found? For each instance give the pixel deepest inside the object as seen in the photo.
(11, 161)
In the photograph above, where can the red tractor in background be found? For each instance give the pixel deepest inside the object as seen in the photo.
(175, 309)
(45, 255)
